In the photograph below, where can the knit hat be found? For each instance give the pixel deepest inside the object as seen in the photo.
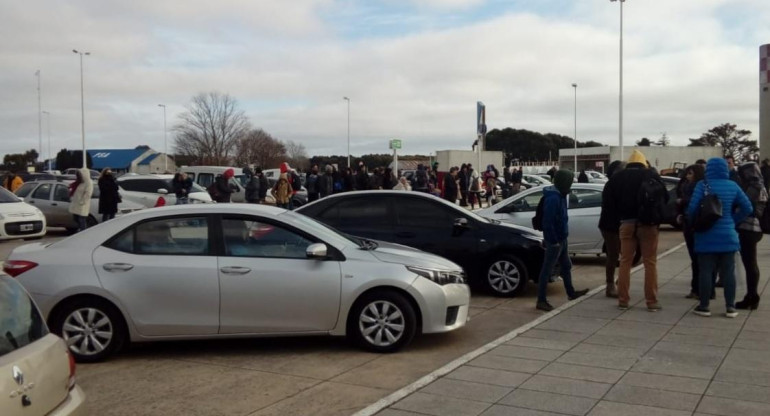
(229, 173)
(562, 180)
(637, 157)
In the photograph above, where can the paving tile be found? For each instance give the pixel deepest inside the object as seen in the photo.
(668, 365)
(549, 344)
(324, 399)
(739, 391)
(526, 352)
(664, 316)
(653, 397)
(555, 335)
(432, 404)
(621, 341)
(489, 376)
(579, 388)
(608, 350)
(501, 410)
(574, 324)
(719, 341)
(604, 310)
(731, 375)
(752, 340)
(460, 389)
(394, 412)
(755, 360)
(663, 382)
(729, 407)
(605, 408)
(595, 360)
(631, 329)
(500, 362)
(579, 372)
(716, 320)
(549, 402)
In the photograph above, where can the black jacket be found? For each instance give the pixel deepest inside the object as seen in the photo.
(450, 188)
(362, 181)
(224, 189)
(622, 191)
(108, 195)
(325, 184)
(252, 189)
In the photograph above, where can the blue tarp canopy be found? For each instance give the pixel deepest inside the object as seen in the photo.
(148, 159)
(119, 159)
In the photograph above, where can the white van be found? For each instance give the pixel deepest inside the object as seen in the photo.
(205, 175)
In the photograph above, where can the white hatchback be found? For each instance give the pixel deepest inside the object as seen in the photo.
(19, 219)
(149, 190)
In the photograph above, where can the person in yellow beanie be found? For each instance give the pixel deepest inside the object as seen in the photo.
(637, 195)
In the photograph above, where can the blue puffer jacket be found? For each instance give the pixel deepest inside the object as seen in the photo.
(555, 220)
(722, 237)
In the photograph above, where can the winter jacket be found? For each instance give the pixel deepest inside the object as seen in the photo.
(12, 182)
(609, 219)
(622, 190)
(108, 195)
(252, 190)
(263, 186)
(362, 180)
(182, 187)
(721, 237)
(282, 190)
(555, 220)
(450, 188)
(326, 184)
(752, 184)
(465, 180)
(224, 188)
(80, 200)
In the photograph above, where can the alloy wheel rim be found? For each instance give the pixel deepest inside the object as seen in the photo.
(504, 276)
(381, 323)
(87, 331)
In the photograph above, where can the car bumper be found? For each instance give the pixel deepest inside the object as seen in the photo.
(444, 308)
(73, 405)
(13, 229)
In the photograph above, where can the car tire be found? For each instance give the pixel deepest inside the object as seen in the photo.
(382, 321)
(506, 276)
(103, 325)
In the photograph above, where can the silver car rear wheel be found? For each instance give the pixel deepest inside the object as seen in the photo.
(506, 277)
(87, 331)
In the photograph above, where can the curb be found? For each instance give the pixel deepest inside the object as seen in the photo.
(446, 369)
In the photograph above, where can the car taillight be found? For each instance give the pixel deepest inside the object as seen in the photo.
(161, 202)
(17, 267)
(71, 382)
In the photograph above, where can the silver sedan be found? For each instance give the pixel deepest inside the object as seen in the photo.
(234, 270)
(585, 207)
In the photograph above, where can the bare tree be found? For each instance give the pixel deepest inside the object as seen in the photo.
(261, 149)
(733, 141)
(296, 155)
(210, 129)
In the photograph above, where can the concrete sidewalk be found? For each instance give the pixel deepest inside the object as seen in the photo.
(589, 358)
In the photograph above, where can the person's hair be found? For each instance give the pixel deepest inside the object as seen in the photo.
(698, 172)
(730, 157)
(615, 167)
(700, 162)
(105, 171)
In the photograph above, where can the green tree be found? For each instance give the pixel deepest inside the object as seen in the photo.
(66, 159)
(733, 141)
(525, 145)
(644, 142)
(20, 161)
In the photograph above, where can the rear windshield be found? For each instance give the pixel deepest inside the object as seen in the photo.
(7, 196)
(20, 322)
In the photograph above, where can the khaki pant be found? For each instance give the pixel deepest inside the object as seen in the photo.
(647, 238)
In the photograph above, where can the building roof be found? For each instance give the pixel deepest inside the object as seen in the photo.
(148, 159)
(114, 158)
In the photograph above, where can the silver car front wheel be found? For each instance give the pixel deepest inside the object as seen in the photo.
(382, 321)
(506, 277)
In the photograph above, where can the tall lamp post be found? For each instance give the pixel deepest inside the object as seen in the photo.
(48, 123)
(574, 86)
(620, 99)
(165, 143)
(348, 100)
(39, 117)
(82, 107)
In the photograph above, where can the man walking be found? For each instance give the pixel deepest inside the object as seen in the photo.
(638, 196)
(450, 185)
(555, 233)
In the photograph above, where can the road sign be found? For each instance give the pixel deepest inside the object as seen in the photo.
(395, 144)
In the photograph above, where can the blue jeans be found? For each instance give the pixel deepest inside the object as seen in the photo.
(182, 200)
(709, 263)
(553, 253)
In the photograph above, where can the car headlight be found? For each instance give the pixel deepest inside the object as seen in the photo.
(441, 277)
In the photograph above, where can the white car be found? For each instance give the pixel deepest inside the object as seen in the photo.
(147, 190)
(535, 180)
(594, 177)
(19, 219)
(234, 270)
(585, 207)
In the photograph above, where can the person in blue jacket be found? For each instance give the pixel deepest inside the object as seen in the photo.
(555, 233)
(716, 247)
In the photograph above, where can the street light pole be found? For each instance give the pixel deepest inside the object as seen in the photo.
(165, 143)
(620, 99)
(574, 86)
(348, 100)
(48, 122)
(39, 117)
(82, 106)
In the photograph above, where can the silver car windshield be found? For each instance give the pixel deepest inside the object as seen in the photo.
(20, 322)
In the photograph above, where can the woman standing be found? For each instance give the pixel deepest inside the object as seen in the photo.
(692, 175)
(463, 175)
(109, 197)
(282, 191)
(749, 231)
(80, 197)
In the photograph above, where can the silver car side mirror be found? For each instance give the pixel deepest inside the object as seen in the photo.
(316, 251)
(162, 191)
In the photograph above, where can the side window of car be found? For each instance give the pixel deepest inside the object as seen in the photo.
(149, 186)
(61, 194)
(249, 237)
(167, 236)
(205, 179)
(25, 189)
(370, 211)
(129, 185)
(42, 192)
(417, 212)
(585, 198)
(528, 203)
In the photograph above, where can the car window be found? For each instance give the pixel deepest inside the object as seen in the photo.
(253, 238)
(42, 192)
(528, 202)
(167, 236)
(25, 189)
(585, 198)
(144, 185)
(20, 321)
(205, 179)
(61, 193)
(418, 212)
(357, 212)
(241, 179)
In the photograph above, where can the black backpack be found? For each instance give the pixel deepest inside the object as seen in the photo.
(537, 220)
(421, 179)
(296, 183)
(652, 202)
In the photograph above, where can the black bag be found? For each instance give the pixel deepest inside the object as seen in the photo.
(652, 202)
(537, 220)
(709, 211)
(213, 190)
(764, 220)
(296, 183)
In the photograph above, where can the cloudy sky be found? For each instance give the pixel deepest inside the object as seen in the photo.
(413, 69)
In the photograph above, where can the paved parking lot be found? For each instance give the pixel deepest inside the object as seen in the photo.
(296, 376)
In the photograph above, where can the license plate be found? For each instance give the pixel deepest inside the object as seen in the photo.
(26, 227)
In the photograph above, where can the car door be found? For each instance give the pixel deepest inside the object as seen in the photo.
(41, 198)
(521, 209)
(164, 274)
(585, 207)
(369, 216)
(60, 215)
(267, 283)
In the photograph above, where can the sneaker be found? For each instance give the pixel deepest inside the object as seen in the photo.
(731, 313)
(611, 292)
(544, 306)
(654, 307)
(701, 311)
(578, 293)
(622, 306)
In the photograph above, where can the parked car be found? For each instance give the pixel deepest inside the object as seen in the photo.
(52, 197)
(593, 177)
(147, 189)
(38, 372)
(670, 213)
(19, 219)
(499, 257)
(585, 206)
(73, 171)
(35, 176)
(536, 180)
(205, 176)
(234, 270)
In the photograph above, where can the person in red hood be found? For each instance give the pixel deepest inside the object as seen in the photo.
(224, 187)
(294, 181)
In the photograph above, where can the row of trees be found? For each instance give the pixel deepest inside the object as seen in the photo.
(526, 145)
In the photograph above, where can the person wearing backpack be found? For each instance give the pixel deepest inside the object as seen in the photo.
(638, 196)
(692, 175)
(555, 227)
(716, 246)
(750, 231)
(421, 179)
(311, 180)
(609, 225)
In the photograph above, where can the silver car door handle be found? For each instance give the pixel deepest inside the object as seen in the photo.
(235, 270)
(118, 267)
